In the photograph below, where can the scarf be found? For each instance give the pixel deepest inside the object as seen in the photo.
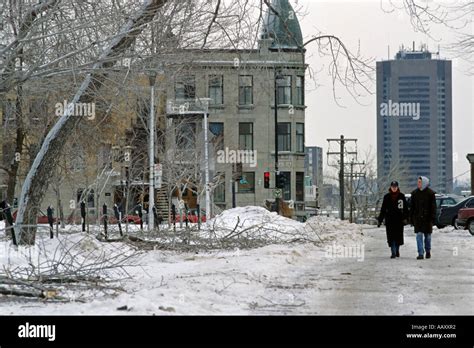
(394, 195)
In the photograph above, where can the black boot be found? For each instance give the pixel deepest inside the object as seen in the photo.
(398, 253)
(428, 255)
(420, 257)
(393, 256)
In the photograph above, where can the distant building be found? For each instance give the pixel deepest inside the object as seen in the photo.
(330, 197)
(414, 119)
(313, 164)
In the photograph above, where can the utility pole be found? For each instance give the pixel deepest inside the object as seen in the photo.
(353, 175)
(151, 153)
(341, 153)
(206, 159)
(278, 77)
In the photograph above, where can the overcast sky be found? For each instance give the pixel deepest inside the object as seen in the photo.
(365, 22)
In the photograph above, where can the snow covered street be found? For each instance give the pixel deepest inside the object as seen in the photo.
(292, 279)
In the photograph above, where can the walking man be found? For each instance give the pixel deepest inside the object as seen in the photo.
(423, 214)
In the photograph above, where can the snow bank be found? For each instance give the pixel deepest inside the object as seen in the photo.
(254, 223)
(258, 223)
(331, 228)
(245, 217)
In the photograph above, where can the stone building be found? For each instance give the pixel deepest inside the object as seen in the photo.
(237, 89)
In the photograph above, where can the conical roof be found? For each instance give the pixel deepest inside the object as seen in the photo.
(283, 28)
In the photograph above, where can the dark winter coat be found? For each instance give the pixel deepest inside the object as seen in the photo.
(394, 211)
(423, 210)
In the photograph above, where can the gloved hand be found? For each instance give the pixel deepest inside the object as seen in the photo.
(378, 224)
(405, 222)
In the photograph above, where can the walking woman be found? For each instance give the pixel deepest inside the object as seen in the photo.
(395, 212)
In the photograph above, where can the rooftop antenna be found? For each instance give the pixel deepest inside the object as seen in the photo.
(388, 51)
(413, 46)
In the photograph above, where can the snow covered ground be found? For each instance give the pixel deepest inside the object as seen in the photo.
(347, 270)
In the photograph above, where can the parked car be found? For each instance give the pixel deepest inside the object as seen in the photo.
(192, 216)
(449, 213)
(466, 219)
(42, 217)
(131, 219)
(441, 200)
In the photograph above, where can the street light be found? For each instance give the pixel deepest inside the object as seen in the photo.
(278, 79)
(206, 155)
(151, 151)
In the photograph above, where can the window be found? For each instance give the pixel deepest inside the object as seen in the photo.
(284, 90)
(470, 204)
(81, 195)
(300, 137)
(185, 88)
(105, 156)
(449, 201)
(284, 136)
(216, 89)
(300, 186)
(246, 136)
(186, 190)
(9, 113)
(299, 90)
(186, 136)
(217, 139)
(78, 158)
(7, 155)
(90, 199)
(286, 185)
(219, 190)
(38, 109)
(245, 90)
(247, 183)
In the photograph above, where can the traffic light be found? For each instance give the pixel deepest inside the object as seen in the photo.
(266, 180)
(280, 181)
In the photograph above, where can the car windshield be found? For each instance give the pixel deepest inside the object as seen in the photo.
(445, 201)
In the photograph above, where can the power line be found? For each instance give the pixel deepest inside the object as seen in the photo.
(441, 183)
(342, 151)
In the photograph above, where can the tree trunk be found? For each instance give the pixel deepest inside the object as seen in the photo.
(60, 207)
(19, 141)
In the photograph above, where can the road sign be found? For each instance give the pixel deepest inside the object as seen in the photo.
(277, 193)
(158, 169)
(158, 182)
(158, 175)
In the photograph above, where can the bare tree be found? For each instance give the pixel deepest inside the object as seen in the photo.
(59, 44)
(37, 179)
(369, 191)
(457, 16)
